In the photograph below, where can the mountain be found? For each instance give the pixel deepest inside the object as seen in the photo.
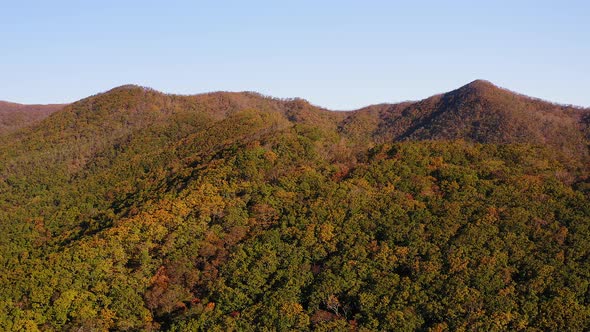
(479, 112)
(15, 116)
(137, 210)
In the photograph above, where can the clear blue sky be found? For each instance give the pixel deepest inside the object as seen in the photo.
(337, 54)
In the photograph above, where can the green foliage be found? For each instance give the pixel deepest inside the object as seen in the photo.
(138, 211)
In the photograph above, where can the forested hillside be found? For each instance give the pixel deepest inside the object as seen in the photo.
(15, 116)
(137, 210)
(480, 112)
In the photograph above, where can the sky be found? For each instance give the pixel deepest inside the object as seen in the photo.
(337, 54)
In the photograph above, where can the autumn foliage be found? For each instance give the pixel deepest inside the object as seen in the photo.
(136, 210)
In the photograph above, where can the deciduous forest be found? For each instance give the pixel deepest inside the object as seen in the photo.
(137, 210)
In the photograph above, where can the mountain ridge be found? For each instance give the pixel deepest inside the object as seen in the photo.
(14, 116)
(476, 85)
(478, 111)
(138, 210)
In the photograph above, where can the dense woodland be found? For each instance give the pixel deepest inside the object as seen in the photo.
(16, 116)
(135, 210)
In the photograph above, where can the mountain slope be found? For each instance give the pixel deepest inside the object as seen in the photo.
(137, 210)
(124, 134)
(15, 116)
(480, 112)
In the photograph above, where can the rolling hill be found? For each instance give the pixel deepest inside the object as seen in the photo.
(479, 112)
(15, 116)
(137, 210)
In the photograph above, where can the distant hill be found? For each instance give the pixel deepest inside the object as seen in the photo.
(477, 112)
(135, 210)
(15, 116)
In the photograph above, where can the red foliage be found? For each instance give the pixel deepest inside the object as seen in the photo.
(322, 316)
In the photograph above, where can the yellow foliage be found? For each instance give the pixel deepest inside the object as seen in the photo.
(291, 309)
(326, 232)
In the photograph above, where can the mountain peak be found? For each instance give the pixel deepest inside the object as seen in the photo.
(480, 86)
(481, 83)
(130, 87)
(480, 89)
